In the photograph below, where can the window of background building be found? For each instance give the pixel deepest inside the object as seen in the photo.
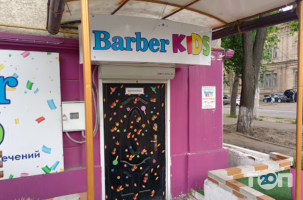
(267, 80)
(261, 85)
(296, 80)
(275, 52)
(269, 52)
(274, 80)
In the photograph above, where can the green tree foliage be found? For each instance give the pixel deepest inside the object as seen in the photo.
(234, 65)
(294, 27)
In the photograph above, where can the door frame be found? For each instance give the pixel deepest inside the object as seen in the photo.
(167, 130)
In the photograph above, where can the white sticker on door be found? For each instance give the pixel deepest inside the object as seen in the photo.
(134, 90)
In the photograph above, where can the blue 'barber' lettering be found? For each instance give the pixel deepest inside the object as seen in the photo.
(154, 43)
(11, 82)
(98, 40)
(139, 41)
(117, 43)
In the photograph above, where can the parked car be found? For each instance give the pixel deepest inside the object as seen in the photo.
(281, 98)
(226, 99)
(286, 93)
(238, 100)
(266, 99)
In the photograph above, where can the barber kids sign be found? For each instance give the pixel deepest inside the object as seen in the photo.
(132, 39)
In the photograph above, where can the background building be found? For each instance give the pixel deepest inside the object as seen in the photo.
(282, 73)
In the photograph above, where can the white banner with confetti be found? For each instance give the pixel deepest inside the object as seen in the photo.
(30, 114)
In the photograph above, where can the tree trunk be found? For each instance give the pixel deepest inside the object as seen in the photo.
(257, 102)
(252, 55)
(233, 98)
(248, 90)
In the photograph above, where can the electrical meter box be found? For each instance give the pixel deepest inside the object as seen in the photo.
(73, 116)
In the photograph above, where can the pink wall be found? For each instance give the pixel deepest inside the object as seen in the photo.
(196, 134)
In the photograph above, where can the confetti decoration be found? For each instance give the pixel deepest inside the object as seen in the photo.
(54, 165)
(113, 90)
(15, 75)
(61, 170)
(46, 149)
(11, 176)
(115, 162)
(40, 119)
(10, 89)
(24, 175)
(153, 89)
(17, 121)
(36, 91)
(113, 105)
(25, 54)
(155, 127)
(49, 53)
(51, 104)
(46, 169)
(29, 85)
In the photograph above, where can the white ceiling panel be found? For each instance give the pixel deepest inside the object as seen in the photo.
(208, 13)
(233, 10)
(189, 17)
(145, 9)
(72, 12)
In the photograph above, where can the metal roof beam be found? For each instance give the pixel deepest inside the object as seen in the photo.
(246, 26)
(120, 6)
(178, 10)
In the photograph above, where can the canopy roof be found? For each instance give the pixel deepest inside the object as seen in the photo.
(206, 13)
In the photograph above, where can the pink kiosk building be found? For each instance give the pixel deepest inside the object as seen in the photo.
(157, 96)
(160, 122)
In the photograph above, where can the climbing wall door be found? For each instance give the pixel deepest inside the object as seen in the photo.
(134, 128)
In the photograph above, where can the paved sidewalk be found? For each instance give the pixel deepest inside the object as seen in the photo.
(264, 124)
